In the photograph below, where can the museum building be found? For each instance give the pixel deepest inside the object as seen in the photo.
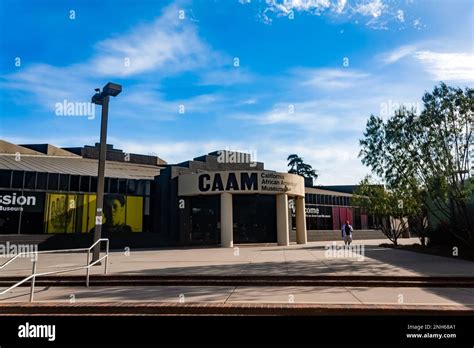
(48, 194)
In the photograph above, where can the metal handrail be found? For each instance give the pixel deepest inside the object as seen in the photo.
(87, 267)
(50, 252)
(18, 255)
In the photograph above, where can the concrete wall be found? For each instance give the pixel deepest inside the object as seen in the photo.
(335, 235)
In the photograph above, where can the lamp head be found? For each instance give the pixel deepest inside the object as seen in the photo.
(97, 98)
(112, 89)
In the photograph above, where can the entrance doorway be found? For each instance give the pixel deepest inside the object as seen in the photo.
(254, 218)
(205, 215)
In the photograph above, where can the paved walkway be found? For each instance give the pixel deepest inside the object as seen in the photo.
(310, 259)
(265, 294)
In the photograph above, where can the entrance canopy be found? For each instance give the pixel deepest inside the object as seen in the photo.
(243, 217)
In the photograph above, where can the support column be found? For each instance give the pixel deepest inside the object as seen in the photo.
(301, 235)
(283, 235)
(227, 228)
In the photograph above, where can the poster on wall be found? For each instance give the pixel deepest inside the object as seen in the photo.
(88, 213)
(121, 214)
(134, 213)
(60, 213)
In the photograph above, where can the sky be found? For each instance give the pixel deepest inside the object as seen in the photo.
(268, 77)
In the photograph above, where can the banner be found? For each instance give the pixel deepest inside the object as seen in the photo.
(134, 213)
(71, 213)
(60, 213)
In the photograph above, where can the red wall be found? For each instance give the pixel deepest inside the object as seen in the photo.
(340, 216)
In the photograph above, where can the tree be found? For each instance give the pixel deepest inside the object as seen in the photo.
(428, 153)
(393, 207)
(297, 166)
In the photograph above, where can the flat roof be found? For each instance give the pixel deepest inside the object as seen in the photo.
(322, 191)
(78, 166)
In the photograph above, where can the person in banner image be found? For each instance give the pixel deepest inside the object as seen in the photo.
(115, 214)
(347, 233)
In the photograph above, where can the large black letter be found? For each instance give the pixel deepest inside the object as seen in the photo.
(249, 182)
(217, 185)
(232, 183)
(204, 187)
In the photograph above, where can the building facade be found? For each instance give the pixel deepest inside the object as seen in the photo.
(48, 195)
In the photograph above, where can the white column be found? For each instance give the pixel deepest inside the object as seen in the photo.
(301, 235)
(227, 233)
(283, 235)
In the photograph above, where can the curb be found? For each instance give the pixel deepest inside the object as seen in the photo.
(265, 309)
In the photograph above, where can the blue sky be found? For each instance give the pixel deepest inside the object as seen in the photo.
(309, 73)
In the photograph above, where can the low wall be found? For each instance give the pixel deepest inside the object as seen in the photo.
(330, 235)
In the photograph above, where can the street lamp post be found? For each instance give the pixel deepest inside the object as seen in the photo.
(102, 98)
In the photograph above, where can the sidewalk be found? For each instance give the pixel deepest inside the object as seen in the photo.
(309, 259)
(264, 294)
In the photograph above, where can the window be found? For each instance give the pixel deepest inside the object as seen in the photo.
(17, 180)
(74, 183)
(113, 185)
(131, 186)
(140, 187)
(85, 183)
(93, 184)
(318, 199)
(53, 180)
(5, 177)
(41, 180)
(30, 178)
(64, 182)
(122, 186)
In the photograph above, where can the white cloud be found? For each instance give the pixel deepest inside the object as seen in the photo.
(397, 54)
(373, 8)
(448, 66)
(377, 14)
(339, 6)
(168, 44)
(328, 79)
